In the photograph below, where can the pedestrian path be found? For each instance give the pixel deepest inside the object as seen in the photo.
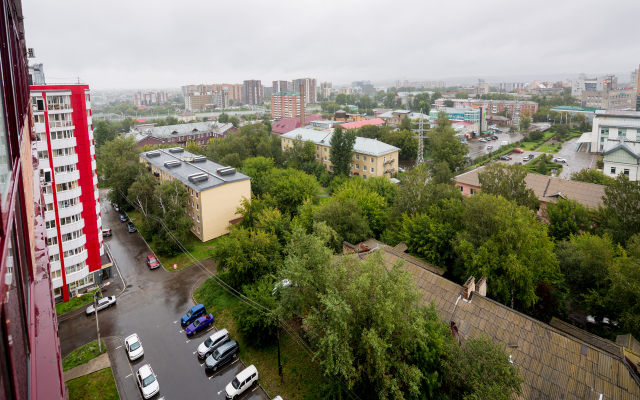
(93, 365)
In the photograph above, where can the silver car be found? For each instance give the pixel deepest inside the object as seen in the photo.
(103, 303)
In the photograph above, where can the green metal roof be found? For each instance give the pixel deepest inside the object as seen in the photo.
(574, 108)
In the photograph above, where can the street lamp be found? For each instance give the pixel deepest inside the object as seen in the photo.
(95, 310)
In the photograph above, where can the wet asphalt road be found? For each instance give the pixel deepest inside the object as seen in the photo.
(150, 306)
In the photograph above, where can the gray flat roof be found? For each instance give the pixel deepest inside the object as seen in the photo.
(366, 146)
(185, 169)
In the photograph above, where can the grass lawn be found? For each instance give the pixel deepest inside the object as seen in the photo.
(530, 146)
(549, 149)
(197, 249)
(302, 378)
(82, 355)
(98, 385)
(74, 303)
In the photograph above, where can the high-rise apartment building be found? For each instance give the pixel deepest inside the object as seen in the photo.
(206, 101)
(188, 89)
(600, 83)
(310, 87)
(282, 86)
(252, 92)
(30, 357)
(66, 150)
(326, 88)
(36, 74)
(286, 105)
(144, 99)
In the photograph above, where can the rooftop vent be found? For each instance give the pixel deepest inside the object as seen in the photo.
(226, 171)
(172, 163)
(197, 159)
(153, 153)
(195, 178)
(176, 150)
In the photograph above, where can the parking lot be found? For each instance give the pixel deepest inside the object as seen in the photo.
(151, 306)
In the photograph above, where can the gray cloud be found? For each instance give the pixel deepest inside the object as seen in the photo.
(164, 44)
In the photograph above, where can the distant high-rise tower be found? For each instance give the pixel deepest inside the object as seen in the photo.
(310, 87)
(252, 92)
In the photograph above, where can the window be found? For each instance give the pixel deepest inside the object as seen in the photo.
(317, 147)
(52, 241)
(471, 191)
(613, 170)
(198, 229)
(50, 224)
(357, 157)
(371, 169)
(371, 159)
(196, 195)
(43, 155)
(197, 207)
(70, 220)
(48, 207)
(357, 166)
(75, 268)
(622, 132)
(325, 158)
(384, 159)
(198, 218)
(365, 177)
(317, 156)
(626, 172)
(364, 168)
(54, 257)
(461, 188)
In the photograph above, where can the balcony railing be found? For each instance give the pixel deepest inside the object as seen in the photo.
(60, 124)
(58, 106)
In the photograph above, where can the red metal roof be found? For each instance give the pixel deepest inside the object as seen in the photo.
(286, 125)
(359, 124)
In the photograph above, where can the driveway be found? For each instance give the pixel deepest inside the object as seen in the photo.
(478, 148)
(151, 306)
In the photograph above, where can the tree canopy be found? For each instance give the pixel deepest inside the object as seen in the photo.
(341, 155)
(508, 181)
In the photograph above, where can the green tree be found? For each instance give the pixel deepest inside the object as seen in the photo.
(171, 121)
(507, 244)
(171, 202)
(366, 325)
(141, 193)
(508, 181)
(246, 255)
(300, 152)
(403, 139)
(341, 155)
(406, 124)
(258, 168)
(257, 326)
(346, 219)
(374, 206)
(103, 132)
(119, 164)
(592, 176)
(535, 136)
(448, 103)
(290, 188)
(480, 369)
(567, 217)
(194, 148)
(462, 95)
(621, 211)
(223, 118)
(444, 146)
(525, 122)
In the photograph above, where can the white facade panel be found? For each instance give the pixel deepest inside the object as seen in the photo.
(70, 194)
(67, 177)
(40, 127)
(76, 276)
(69, 211)
(73, 244)
(42, 146)
(66, 160)
(71, 227)
(56, 283)
(78, 258)
(63, 143)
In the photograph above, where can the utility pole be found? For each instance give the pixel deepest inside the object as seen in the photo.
(420, 137)
(95, 309)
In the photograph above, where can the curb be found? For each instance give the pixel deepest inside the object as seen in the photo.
(193, 291)
(129, 363)
(113, 260)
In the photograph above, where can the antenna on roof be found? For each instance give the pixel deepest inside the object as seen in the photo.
(420, 137)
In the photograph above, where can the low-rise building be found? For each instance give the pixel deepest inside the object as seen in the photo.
(546, 188)
(360, 124)
(199, 132)
(615, 99)
(622, 156)
(186, 116)
(215, 191)
(371, 157)
(588, 112)
(515, 108)
(285, 125)
(394, 117)
(610, 125)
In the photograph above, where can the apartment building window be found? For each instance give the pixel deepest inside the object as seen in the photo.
(54, 257)
(357, 157)
(384, 159)
(196, 195)
(198, 229)
(56, 274)
(198, 218)
(357, 166)
(325, 149)
(317, 148)
(50, 224)
(52, 241)
(461, 188)
(622, 132)
(70, 220)
(317, 156)
(43, 155)
(364, 168)
(613, 170)
(372, 170)
(371, 159)
(365, 177)
(197, 207)
(626, 172)
(472, 192)
(48, 207)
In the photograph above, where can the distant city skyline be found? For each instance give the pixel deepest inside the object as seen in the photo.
(491, 38)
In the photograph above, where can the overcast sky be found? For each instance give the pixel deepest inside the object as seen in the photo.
(169, 43)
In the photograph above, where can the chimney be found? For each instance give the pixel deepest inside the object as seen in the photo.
(481, 287)
(302, 111)
(469, 287)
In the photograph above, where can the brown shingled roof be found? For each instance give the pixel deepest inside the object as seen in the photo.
(548, 188)
(555, 364)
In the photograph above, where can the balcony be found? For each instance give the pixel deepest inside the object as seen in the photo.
(76, 276)
(60, 124)
(71, 227)
(389, 162)
(69, 211)
(65, 160)
(74, 244)
(76, 259)
(67, 177)
(58, 106)
(69, 194)
(63, 143)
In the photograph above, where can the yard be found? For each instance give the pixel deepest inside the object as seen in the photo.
(302, 377)
(198, 249)
(82, 355)
(97, 385)
(74, 303)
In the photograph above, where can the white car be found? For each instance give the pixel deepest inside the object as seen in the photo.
(489, 147)
(483, 140)
(103, 303)
(133, 347)
(559, 159)
(212, 343)
(147, 381)
(243, 381)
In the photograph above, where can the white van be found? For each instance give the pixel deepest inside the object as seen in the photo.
(241, 382)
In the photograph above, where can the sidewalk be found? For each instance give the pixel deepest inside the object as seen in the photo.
(96, 364)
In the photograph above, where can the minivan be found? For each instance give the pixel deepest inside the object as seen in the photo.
(241, 382)
(194, 313)
(222, 355)
(213, 342)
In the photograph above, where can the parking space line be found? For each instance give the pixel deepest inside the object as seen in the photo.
(127, 376)
(118, 347)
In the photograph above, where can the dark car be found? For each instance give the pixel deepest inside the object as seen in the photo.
(222, 355)
(124, 217)
(131, 227)
(200, 324)
(503, 158)
(195, 312)
(494, 137)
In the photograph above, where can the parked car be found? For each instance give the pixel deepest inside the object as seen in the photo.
(152, 261)
(147, 381)
(494, 138)
(106, 232)
(212, 343)
(509, 158)
(400, 169)
(489, 147)
(483, 140)
(518, 151)
(518, 162)
(116, 207)
(194, 313)
(241, 382)
(529, 157)
(131, 227)
(503, 158)
(497, 130)
(199, 324)
(103, 303)
(133, 347)
(222, 355)
(559, 159)
(124, 217)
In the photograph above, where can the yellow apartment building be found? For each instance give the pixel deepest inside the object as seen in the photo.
(371, 157)
(215, 191)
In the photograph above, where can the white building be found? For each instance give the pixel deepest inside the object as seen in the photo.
(610, 124)
(592, 85)
(622, 156)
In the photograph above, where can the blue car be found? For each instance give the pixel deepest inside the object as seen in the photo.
(191, 315)
(199, 324)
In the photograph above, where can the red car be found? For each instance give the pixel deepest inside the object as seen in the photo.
(509, 158)
(518, 151)
(152, 261)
